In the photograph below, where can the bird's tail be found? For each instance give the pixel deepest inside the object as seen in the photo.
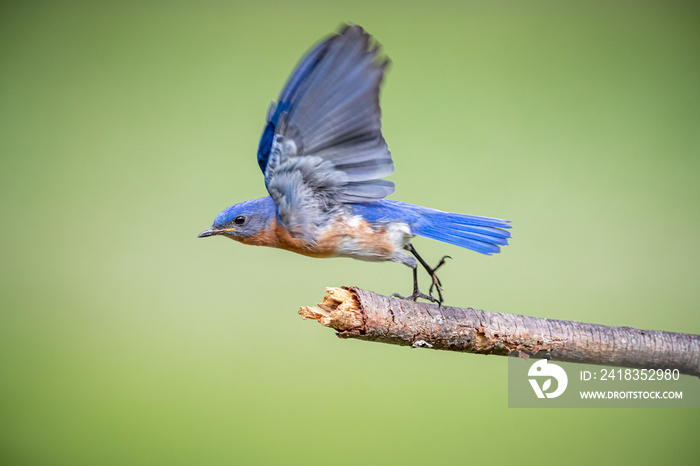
(480, 234)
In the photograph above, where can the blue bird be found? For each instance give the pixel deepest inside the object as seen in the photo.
(323, 155)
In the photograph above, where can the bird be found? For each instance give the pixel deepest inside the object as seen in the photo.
(323, 158)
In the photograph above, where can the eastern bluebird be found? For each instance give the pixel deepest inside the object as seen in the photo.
(322, 154)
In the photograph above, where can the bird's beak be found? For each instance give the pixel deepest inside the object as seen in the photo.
(208, 232)
(211, 231)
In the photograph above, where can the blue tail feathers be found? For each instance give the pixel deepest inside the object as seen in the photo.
(481, 234)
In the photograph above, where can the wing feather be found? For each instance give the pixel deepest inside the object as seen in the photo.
(323, 145)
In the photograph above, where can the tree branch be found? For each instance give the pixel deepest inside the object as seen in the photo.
(364, 315)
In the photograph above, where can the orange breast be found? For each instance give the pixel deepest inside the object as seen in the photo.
(276, 236)
(345, 237)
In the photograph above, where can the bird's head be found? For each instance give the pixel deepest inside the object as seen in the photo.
(241, 220)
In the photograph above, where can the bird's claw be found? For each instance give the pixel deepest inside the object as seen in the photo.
(436, 283)
(414, 297)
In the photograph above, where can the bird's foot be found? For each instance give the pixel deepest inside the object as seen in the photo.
(414, 297)
(436, 283)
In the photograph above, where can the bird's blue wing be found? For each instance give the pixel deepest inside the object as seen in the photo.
(322, 145)
(273, 115)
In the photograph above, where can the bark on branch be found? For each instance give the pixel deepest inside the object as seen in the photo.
(361, 314)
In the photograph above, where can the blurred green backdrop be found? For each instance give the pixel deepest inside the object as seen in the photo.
(125, 127)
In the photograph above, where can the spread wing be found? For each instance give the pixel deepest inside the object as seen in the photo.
(323, 145)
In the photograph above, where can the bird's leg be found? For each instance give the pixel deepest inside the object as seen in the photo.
(416, 292)
(431, 271)
(433, 276)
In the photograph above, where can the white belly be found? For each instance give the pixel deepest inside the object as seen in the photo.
(353, 237)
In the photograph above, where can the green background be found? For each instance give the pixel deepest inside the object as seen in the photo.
(126, 127)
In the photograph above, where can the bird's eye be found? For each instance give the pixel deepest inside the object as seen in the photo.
(240, 220)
